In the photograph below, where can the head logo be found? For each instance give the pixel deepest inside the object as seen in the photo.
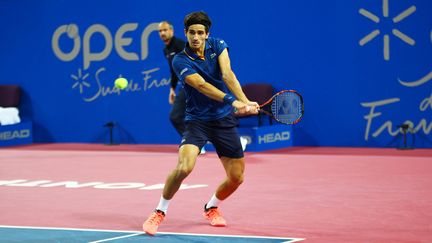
(17, 134)
(274, 137)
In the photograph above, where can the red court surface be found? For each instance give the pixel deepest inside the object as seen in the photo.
(320, 194)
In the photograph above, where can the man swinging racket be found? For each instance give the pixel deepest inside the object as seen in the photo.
(212, 92)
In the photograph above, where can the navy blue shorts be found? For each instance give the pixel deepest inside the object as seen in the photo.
(221, 133)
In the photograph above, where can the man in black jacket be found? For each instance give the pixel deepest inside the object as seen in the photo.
(176, 98)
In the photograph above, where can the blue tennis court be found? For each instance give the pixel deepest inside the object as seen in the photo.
(40, 234)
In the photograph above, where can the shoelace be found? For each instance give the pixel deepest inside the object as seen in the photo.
(156, 218)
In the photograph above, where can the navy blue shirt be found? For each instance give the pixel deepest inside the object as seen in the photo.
(185, 63)
(175, 46)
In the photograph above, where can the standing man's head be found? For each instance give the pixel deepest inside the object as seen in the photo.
(166, 31)
(197, 27)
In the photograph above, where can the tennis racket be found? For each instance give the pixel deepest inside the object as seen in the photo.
(286, 107)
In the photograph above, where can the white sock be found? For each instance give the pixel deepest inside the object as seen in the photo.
(163, 205)
(214, 202)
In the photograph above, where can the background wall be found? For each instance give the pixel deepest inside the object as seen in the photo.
(363, 67)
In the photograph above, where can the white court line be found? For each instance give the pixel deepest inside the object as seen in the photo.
(116, 238)
(162, 233)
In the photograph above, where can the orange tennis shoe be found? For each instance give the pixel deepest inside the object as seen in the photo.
(151, 225)
(214, 217)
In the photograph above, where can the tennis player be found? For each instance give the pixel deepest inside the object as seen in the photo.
(212, 91)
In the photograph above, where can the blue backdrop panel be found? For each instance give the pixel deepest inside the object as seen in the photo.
(363, 67)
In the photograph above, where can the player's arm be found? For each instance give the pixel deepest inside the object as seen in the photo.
(231, 80)
(197, 81)
(229, 77)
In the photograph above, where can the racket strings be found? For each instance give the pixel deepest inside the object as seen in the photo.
(286, 108)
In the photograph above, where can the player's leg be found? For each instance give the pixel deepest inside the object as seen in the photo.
(229, 149)
(234, 169)
(187, 158)
(194, 138)
(186, 162)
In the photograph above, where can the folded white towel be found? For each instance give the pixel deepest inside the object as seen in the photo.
(9, 116)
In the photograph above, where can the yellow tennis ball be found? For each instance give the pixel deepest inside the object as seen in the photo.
(121, 83)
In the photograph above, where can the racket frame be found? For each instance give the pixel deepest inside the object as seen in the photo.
(269, 101)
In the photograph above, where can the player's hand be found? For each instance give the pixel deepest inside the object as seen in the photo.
(171, 96)
(245, 108)
(254, 107)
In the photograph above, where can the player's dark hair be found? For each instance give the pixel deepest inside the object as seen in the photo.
(197, 18)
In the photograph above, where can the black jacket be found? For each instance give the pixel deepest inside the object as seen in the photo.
(175, 46)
